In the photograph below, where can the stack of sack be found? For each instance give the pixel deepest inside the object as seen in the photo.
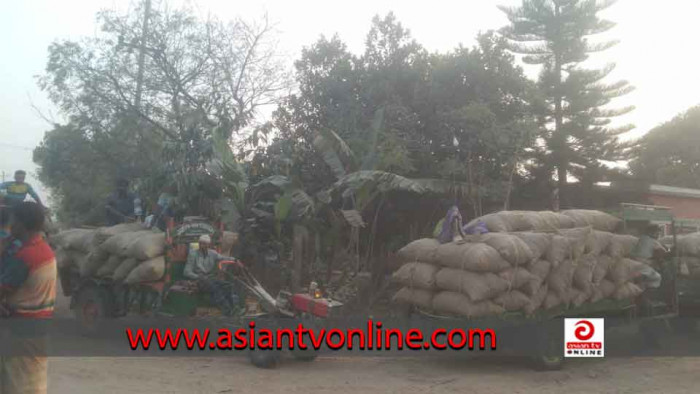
(521, 270)
(127, 253)
(689, 251)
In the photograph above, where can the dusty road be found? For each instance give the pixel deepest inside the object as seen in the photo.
(360, 374)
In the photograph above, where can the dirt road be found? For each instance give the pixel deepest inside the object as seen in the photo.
(363, 374)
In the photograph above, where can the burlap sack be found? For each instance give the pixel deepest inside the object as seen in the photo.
(536, 300)
(552, 300)
(555, 220)
(494, 222)
(147, 246)
(621, 245)
(598, 242)
(119, 244)
(416, 275)
(121, 272)
(627, 291)
(603, 290)
(560, 249)
(518, 220)
(540, 268)
(512, 301)
(597, 219)
(74, 239)
(583, 274)
(423, 250)
(578, 297)
(416, 297)
(537, 243)
(579, 237)
(477, 257)
(68, 258)
(91, 263)
(478, 286)
(688, 245)
(459, 304)
(601, 268)
(510, 247)
(625, 270)
(560, 279)
(104, 233)
(148, 271)
(109, 266)
(522, 279)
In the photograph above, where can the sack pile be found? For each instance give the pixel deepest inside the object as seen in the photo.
(689, 251)
(509, 221)
(127, 253)
(521, 271)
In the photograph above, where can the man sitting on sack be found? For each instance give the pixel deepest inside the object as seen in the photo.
(202, 267)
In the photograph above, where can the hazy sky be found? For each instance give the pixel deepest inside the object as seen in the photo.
(652, 54)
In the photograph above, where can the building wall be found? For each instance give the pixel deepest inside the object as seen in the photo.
(682, 207)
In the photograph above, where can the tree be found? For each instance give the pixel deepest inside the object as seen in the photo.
(201, 79)
(556, 34)
(670, 153)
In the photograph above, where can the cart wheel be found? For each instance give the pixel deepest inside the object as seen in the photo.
(551, 357)
(91, 310)
(264, 358)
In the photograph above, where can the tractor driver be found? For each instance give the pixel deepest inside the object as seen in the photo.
(202, 267)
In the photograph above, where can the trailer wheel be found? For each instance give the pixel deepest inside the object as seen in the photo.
(551, 356)
(91, 310)
(264, 358)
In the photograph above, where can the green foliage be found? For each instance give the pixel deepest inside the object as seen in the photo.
(555, 34)
(670, 153)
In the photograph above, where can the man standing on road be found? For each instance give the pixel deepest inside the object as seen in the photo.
(27, 295)
(15, 192)
(201, 266)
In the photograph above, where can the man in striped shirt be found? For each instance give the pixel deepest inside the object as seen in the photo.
(27, 293)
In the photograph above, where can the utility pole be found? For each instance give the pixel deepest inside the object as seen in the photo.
(142, 53)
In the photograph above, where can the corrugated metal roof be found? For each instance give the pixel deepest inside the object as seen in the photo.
(674, 191)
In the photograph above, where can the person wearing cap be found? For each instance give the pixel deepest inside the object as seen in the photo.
(15, 192)
(122, 205)
(202, 267)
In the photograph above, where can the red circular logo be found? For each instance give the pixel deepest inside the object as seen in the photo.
(584, 330)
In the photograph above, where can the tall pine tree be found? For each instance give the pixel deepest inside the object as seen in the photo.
(555, 35)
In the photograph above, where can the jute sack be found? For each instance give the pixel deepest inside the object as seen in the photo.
(597, 219)
(579, 238)
(423, 250)
(560, 279)
(91, 263)
(598, 242)
(459, 304)
(560, 249)
(148, 271)
(621, 245)
(416, 275)
(601, 268)
(74, 239)
(512, 301)
(68, 258)
(510, 247)
(124, 268)
(416, 297)
(109, 266)
(478, 286)
(603, 290)
(537, 243)
(627, 291)
(147, 246)
(583, 274)
(522, 279)
(552, 300)
(477, 257)
(540, 268)
(119, 244)
(536, 300)
(624, 270)
(494, 222)
(555, 220)
(578, 297)
(688, 245)
(104, 233)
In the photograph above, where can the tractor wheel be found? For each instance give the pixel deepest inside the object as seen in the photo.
(264, 358)
(91, 310)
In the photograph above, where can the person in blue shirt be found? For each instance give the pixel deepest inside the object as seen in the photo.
(122, 205)
(15, 192)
